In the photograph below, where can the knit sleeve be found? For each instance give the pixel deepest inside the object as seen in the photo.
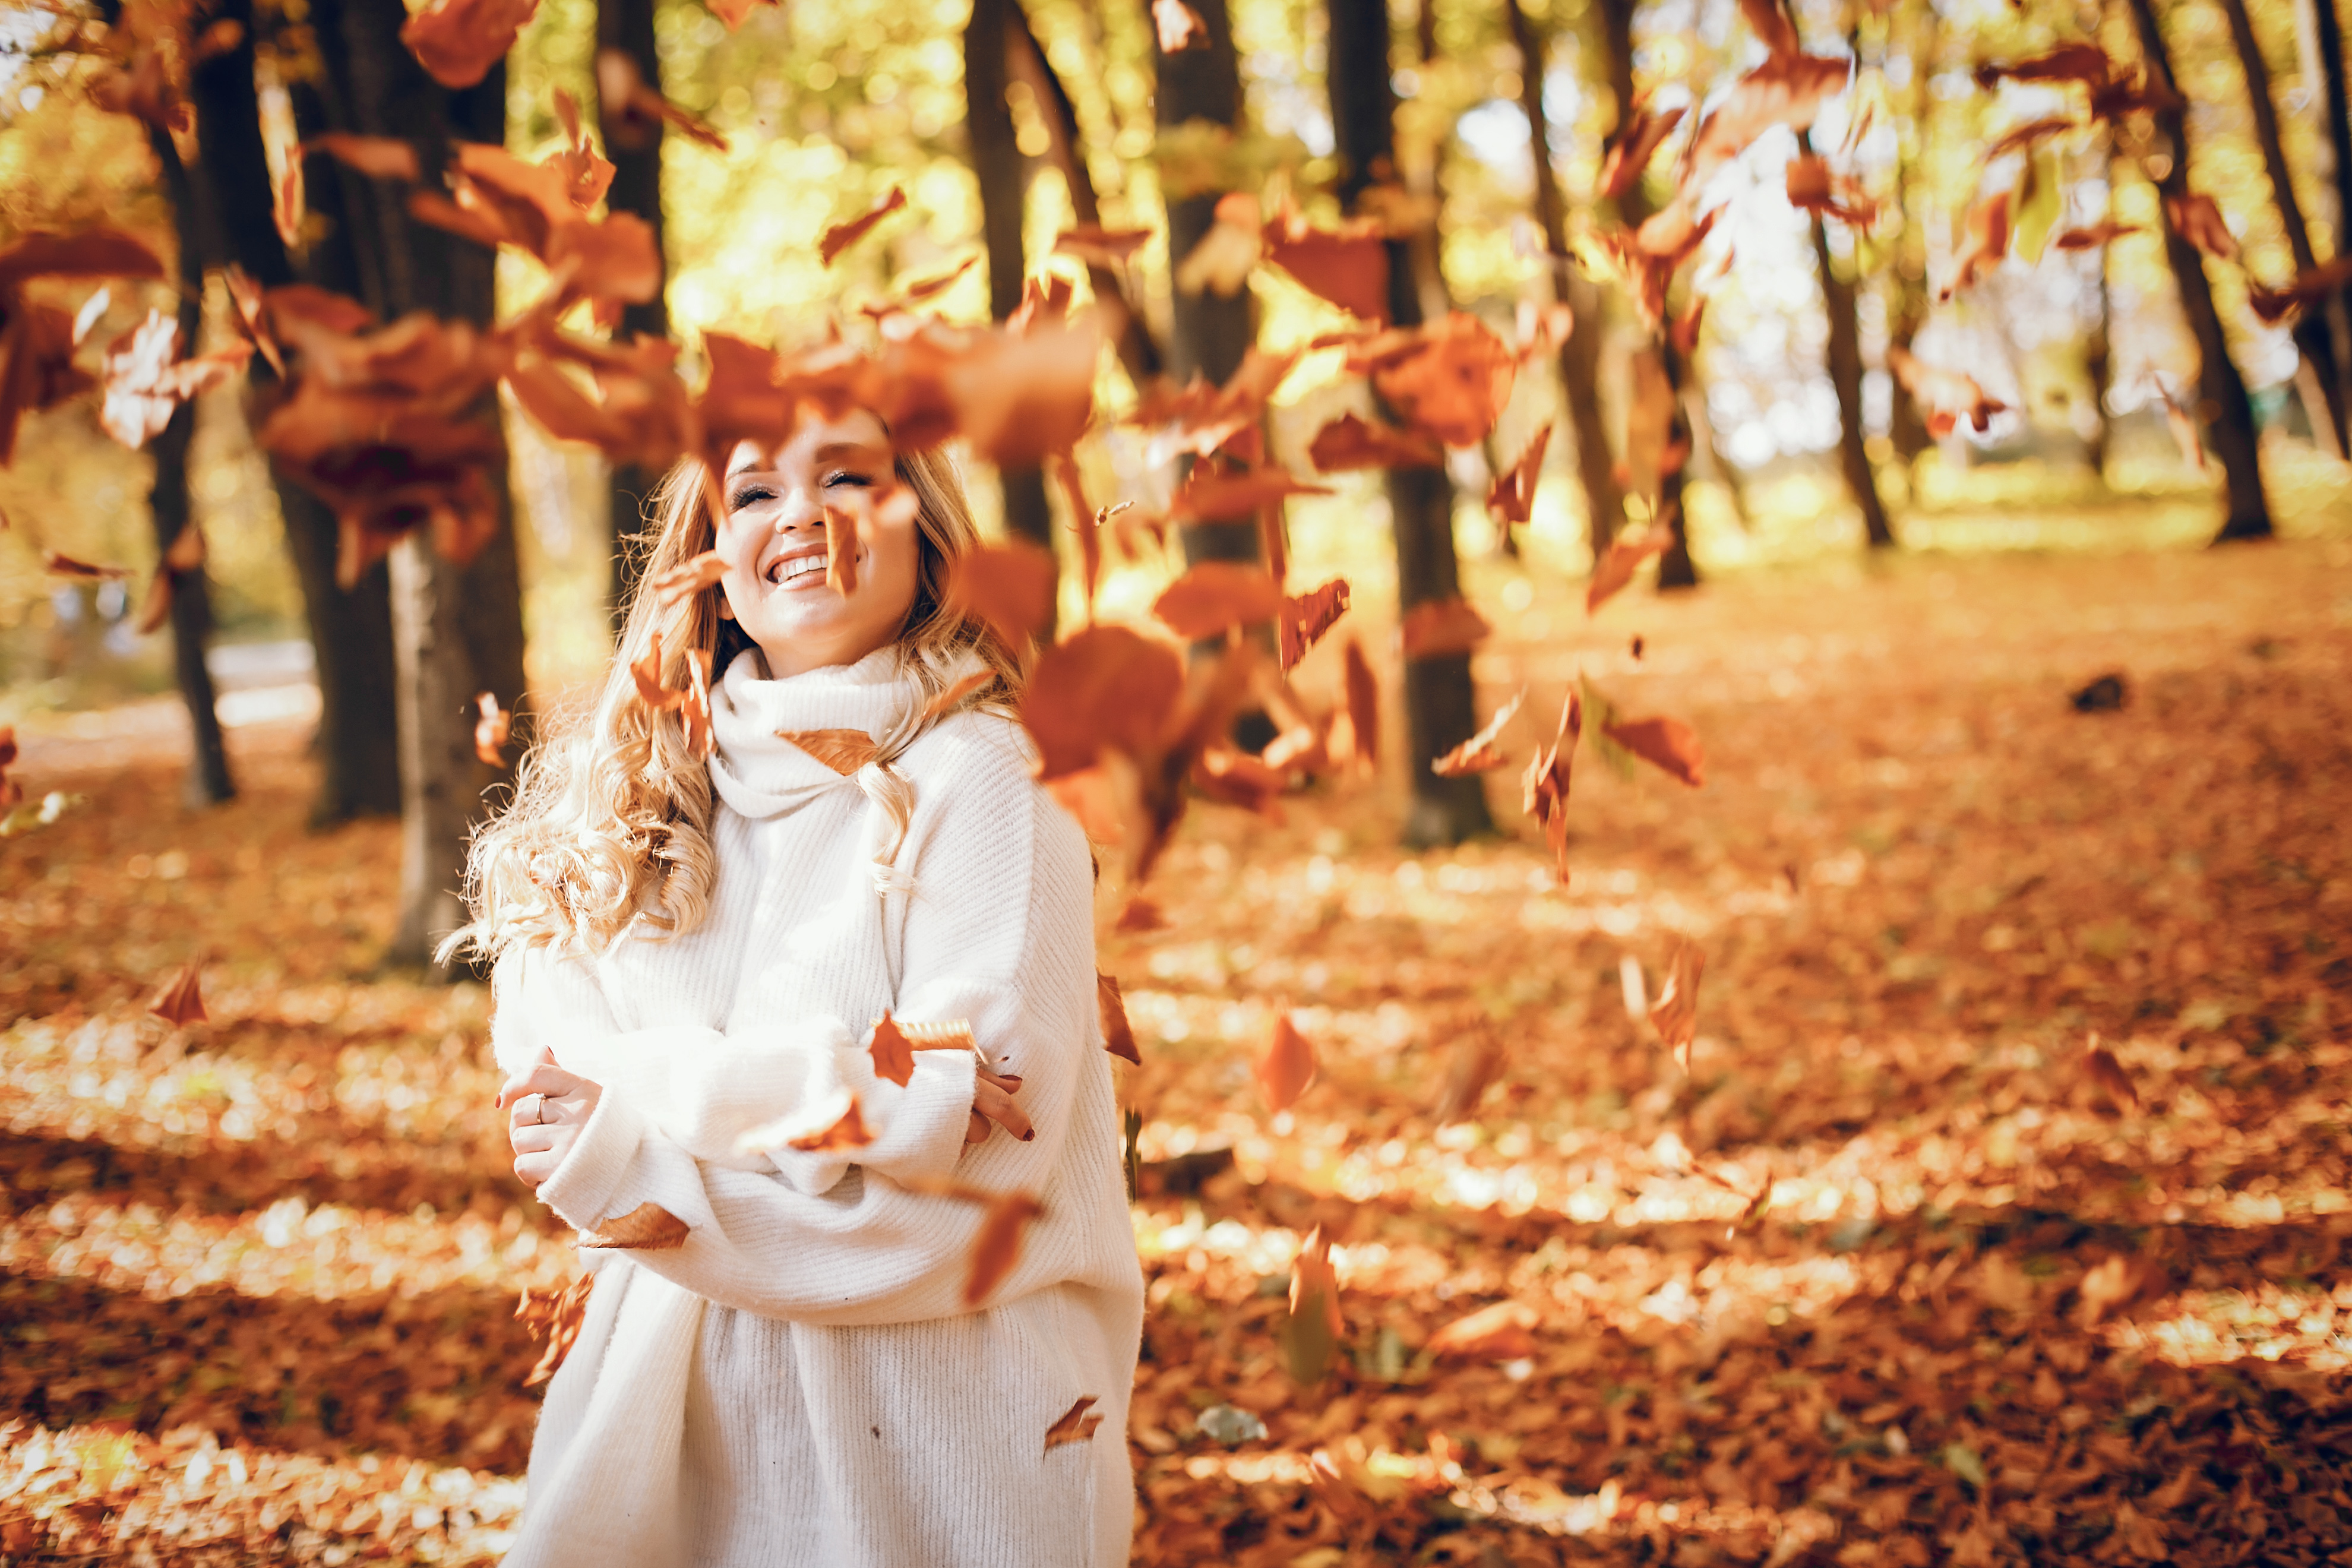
(999, 932)
(707, 1091)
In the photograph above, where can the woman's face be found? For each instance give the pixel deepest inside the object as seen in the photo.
(773, 539)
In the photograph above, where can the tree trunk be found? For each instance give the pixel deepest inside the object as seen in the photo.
(457, 630)
(1439, 698)
(1138, 354)
(2099, 363)
(1843, 356)
(1906, 312)
(2327, 34)
(207, 781)
(1580, 356)
(634, 147)
(2229, 417)
(996, 159)
(351, 633)
(2318, 333)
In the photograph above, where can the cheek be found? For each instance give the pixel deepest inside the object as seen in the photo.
(896, 556)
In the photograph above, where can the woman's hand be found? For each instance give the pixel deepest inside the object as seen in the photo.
(992, 1100)
(546, 1108)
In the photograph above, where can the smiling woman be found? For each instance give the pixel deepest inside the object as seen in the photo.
(701, 947)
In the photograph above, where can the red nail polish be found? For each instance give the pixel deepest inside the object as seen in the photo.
(1029, 1136)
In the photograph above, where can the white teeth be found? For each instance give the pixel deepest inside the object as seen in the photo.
(783, 572)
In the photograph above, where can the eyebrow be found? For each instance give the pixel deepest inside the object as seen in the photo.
(823, 454)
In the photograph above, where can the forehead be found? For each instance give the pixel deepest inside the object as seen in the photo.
(855, 433)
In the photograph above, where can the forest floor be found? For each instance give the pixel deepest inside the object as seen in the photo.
(1889, 1276)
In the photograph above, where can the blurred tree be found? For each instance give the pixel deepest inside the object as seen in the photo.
(997, 162)
(2318, 331)
(1843, 358)
(1439, 697)
(1209, 331)
(2228, 415)
(457, 630)
(2327, 40)
(1579, 352)
(1906, 311)
(633, 143)
(350, 633)
(2098, 343)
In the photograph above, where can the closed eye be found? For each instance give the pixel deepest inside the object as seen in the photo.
(844, 477)
(750, 495)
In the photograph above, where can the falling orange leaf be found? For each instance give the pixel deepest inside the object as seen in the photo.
(1307, 617)
(952, 697)
(1118, 1034)
(179, 1002)
(1436, 628)
(2100, 1066)
(1544, 786)
(647, 670)
(1139, 915)
(2099, 234)
(1676, 1014)
(1287, 1066)
(1348, 268)
(998, 1245)
(1010, 585)
(1637, 139)
(1945, 396)
(1180, 26)
(1450, 378)
(695, 709)
(842, 235)
(2196, 219)
(1478, 754)
(1512, 497)
(893, 1054)
(457, 41)
(1103, 246)
(648, 1228)
(674, 585)
(842, 751)
(1668, 744)
(1208, 496)
(848, 1131)
(1315, 1284)
(1077, 1424)
(492, 726)
(1988, 242)
(1105, 689)
(1355, 733)
(554, 1316)
(1215, 598)
(1349, 443)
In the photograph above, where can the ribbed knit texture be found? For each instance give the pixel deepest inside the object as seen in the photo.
(801, 1382)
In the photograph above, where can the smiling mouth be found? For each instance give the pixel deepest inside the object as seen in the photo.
(786, 570)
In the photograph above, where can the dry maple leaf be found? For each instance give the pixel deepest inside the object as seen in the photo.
(1139, 914)
(1667, 744)
(842, 751)
(1010, 585)
(1315, 1324)
(998, 1247)
(457, 41)
(1479, 754)
(1634, 143)
(1470, 1068)
(1544, 786)
(841, 549)
(1349, 443)
(60, 565)
(2196, 219)
(1436, 628)
(2275, 305)
(1236, 778)
(1307, 617)
(554, 1316)
(144, 387)
(1179, 27)
(2026, 137)
(845, 1132)
(648, 1228)
(1945, 396)
(648, 671)
(1512, 497)
(1499, 1332)
(1108, 687)
(1450, 378)
(842, 235)
(1076, 1425)
(1287, 1066)
(492, 726)
(633, 110)
(1215, 598)
(673, 585)
(695, 710)
(2078, 61)
(178, 1002)
(1786, 89)
(1988, 242)
(1348, 268)
(1208, 496)
(1110, 1006)
(2106, 229)
(1813, 186)
(1676, 1014)
(2100, 1066)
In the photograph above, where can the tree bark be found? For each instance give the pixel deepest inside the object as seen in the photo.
(1439, 697)
(1843, 356)
(457, 630)
(2327, 34)
(2099, 364)
(2229, 417)
(207, 781)
(997, 162)
(2318, 333)
(351, 633)
(1907, 270)
(1580, 356)
(634, 147)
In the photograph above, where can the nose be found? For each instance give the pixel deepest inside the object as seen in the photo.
(801, 509)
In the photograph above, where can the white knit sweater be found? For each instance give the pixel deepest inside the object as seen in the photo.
(801, 1382)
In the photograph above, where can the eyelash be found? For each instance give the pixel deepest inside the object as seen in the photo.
(751, 495)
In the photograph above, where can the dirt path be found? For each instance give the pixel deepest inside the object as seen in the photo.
(1888, 1277)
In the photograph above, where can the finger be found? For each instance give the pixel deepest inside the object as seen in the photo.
(541, 1078)
(529, 1139)
(534, 1169)
(997, 1105)
(978, 1130)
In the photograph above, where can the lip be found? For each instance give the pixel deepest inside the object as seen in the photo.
(773, 565)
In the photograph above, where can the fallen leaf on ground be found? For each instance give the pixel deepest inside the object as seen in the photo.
(1499, 1332)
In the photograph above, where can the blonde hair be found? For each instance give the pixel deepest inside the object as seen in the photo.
(611, 817)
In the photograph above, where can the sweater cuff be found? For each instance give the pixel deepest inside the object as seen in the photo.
(580, 1191)
(925, 1135)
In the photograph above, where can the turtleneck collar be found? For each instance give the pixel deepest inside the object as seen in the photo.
(761, 774)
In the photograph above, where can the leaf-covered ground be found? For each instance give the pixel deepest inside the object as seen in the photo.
(1888, 1277)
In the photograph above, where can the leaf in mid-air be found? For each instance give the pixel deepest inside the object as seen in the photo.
(1675, 1014)
(178, 1002)
(648, 1228)
(1287, 1066)
(1076, 1425)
